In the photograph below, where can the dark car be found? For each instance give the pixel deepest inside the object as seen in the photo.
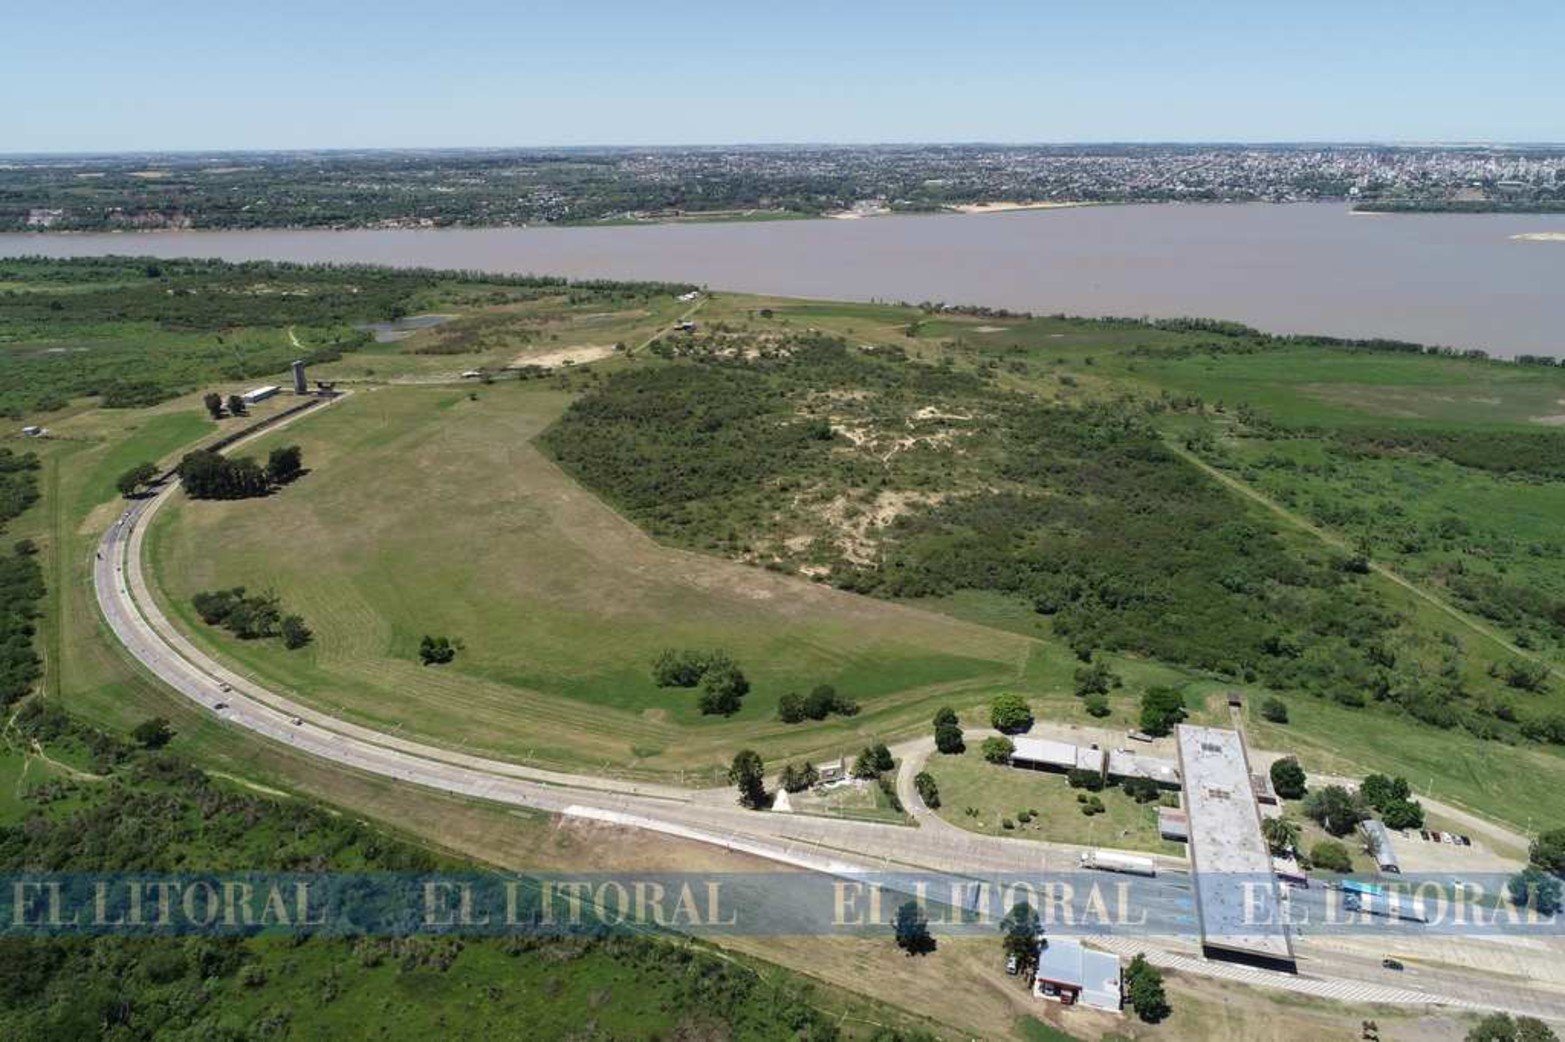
(1391, 964)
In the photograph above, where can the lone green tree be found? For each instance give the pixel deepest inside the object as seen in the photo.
(748, 775)
(214, 404)
(1010, 714)
(1161, 708)
(912, 929)
(998, 749)
(236, 405)
(295, 633)
(284, 464)
(1288, 778)
(948, 739)
(1548, 851)
(1532, 887)
(1019, 932)
(928, 791)
(1281, 835)
(134, 479)
(153, 734)
(1144, 987)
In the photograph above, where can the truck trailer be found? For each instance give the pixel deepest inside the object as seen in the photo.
(1114, 861)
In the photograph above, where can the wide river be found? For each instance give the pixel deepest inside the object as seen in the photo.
(1455, 279)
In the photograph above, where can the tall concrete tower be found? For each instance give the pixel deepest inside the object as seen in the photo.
(300, 384)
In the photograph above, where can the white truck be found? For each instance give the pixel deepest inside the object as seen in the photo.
(1113, 861)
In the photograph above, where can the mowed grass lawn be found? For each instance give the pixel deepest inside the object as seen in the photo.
(427, 512)
(968, 782)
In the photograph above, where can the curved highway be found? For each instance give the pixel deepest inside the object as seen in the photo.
(833, 846)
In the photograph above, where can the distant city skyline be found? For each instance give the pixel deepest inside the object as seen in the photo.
(291, 76)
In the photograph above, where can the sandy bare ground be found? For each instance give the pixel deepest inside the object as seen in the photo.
(1006, 207)
(577, 355)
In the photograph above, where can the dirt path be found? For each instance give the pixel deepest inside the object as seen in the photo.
(666, 330)
(1337, 542)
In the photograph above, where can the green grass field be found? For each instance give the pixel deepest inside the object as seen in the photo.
(980, 796)
(561, 604)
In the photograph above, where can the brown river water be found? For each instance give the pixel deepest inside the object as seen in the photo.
(1461, 280)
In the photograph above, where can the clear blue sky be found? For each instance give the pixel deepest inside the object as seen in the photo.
(99, 76)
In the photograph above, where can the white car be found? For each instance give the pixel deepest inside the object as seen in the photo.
(1013, 965)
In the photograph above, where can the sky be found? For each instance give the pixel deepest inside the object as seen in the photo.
(228, 74)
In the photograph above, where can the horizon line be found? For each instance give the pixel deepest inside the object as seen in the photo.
(1388, 143)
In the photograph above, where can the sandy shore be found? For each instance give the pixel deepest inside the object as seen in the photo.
(1006, 207)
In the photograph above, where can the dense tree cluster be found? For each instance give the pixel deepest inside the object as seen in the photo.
(437, 651)
(796, 777)
(205, 474)
(21, 593)
(1085, 513)
(251, 616)
(822, 701)
(18, 483)
(151, 812)
(1502, 1027)
(136, 478)
(212, 320)
(1335, 809)
(1393, 799)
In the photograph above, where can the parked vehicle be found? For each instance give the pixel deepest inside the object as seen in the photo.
(1391, 964)
(1013, 965)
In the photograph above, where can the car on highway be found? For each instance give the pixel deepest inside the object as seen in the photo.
(1391, 964)
(225, 687)
(296, 720)
(219, 705)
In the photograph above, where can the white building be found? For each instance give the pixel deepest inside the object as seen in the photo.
(1236, 891)
(1069, 973)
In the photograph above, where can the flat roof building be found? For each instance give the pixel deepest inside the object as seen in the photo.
(1047, 754)
(1123, 763)
(258, 394)
(1237, 896)
(1070, 973)
(1173, 824)
(832, 770)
